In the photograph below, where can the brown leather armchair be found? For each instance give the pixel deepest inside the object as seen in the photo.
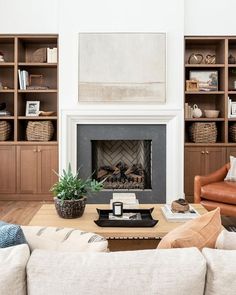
(212, 191)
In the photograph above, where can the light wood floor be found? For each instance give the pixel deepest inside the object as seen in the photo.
(21, 212)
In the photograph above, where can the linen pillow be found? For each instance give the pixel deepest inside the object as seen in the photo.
(221, 272)
(231, 175)
(226, 240)
(64, 239)
(200, 232)
(11, 235)
(13, 262)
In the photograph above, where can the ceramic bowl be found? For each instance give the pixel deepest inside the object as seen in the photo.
(211, 113)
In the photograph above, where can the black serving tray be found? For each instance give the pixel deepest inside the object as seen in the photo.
(147, 220)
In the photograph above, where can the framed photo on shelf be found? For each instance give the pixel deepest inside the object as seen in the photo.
(207, 80)
(233, 109)
(32, 108)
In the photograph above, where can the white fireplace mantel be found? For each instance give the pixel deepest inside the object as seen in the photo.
(172, 118)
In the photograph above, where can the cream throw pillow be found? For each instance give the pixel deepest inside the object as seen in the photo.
(200, 232)
(231, 175)
(63, 239)
(226, 240)
(13, 262)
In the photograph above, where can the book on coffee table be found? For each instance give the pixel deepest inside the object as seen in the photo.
(179, 217)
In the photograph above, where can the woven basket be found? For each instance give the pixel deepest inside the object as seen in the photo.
(70, 208)
(203, 132)
(39, 130)
(5, 130)
(232, 132)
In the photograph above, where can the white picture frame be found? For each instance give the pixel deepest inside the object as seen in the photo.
(122, 67)
(233, 108)
(32, 108)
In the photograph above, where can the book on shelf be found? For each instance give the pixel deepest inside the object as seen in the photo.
(179, 217)
(5, 113)
(52, 55)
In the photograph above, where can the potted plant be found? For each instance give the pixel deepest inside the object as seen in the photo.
(71, 193)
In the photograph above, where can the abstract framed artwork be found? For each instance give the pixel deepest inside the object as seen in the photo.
(122, 67)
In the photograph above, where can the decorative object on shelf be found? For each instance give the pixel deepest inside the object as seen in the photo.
(234, 84)
(192, 85)
(195, 58)
(23, 79)
(46, 114)
(1, 56)
(211, 113)
(39, 131)
(233, 108)
(32, 108)
(231, 59)
(71, 193)
(52, 55)
(208, 80)
(5, 130)
(200, 132)
(197, 113)
(128, 199)
(180, 206)
(1, 86)
(35, 80)
(232, 132)
(210, 59)
(38, 56)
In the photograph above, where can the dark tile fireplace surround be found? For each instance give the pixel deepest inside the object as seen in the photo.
(131, 158)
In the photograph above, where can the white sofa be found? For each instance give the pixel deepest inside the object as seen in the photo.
(57, 271)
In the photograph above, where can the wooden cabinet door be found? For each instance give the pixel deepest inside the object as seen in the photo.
(27, 169)
(231, 151)
(215, 158)
(194, 164)
(8, 169)
(47, 162)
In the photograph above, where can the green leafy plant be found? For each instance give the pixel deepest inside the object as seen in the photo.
(71, 187)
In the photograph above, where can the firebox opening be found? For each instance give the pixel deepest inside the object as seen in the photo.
(124, 164)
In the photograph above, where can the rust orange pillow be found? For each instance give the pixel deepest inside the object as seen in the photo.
(200, 232)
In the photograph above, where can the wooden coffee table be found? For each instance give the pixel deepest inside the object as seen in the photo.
(120, 238)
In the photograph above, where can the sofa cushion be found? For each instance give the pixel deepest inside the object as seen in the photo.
(200, 232)
(63, 239)
(11, 235)
(13, 262)
(221, 272)
(132, 272)
(226, 240)
(223, 191)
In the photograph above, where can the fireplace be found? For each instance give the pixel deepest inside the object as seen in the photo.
(130, 157)
(122, 164)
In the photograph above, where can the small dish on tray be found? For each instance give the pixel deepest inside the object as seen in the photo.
(145, 221)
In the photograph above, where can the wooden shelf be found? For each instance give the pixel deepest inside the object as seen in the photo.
(205, 92)
(7, 117)
(232, 65)
(37, 117)
(192, 144)
(25, 142)
(205, 65)
(7, 64)
(204, 119)
(35, 64)
(231, 92)
(38, 91)
(7, 91)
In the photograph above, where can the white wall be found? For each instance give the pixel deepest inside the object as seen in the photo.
(210, 17)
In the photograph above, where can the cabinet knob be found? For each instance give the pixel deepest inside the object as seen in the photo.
(202, 152)
(39, 150)
(34, 150)
(207, 152)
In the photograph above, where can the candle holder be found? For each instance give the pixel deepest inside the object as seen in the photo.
(117, 208)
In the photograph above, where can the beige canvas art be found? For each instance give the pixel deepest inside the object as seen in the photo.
(122, 67)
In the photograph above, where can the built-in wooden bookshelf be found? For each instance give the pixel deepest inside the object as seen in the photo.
(18, 51)
(207, 157)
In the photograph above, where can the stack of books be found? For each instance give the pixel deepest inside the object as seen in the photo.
(52, 55)
(179, 217)
(5, 113)
(128, 199)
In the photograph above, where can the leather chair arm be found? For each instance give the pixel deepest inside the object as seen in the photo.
(200, 181)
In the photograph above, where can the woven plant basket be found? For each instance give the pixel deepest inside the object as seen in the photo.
(39, 130)
(232, 132)
(5, 130)
(203, 132)
(70, 208)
